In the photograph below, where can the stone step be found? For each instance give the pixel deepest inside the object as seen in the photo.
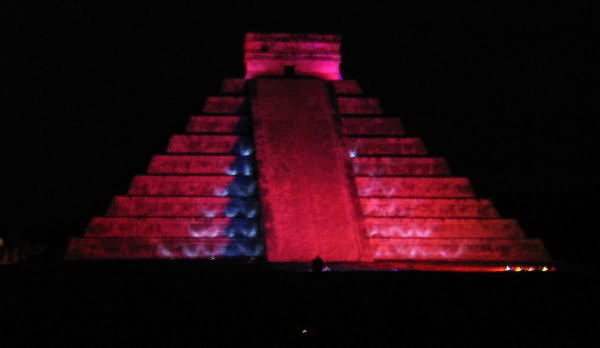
(233, 86)
(358, 105)
(225, 105)
(218, 124)
(372, 126)
(416, 187)
(107, 226)
(472, 249)
(207, 207)
(201, 164)
(442, 228)
(215, 144)
(163, 248)
(346, 87)
(389, 166)
(382, 146)
(428, 207)
(193, 185)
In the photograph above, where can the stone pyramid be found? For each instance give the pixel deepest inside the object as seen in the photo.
(291, 163)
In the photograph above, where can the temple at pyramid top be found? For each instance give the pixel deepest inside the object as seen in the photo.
(281, 54)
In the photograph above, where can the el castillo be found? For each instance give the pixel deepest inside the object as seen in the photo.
(240, 173)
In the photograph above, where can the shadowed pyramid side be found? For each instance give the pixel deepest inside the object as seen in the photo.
(413, 209)
(197, 200)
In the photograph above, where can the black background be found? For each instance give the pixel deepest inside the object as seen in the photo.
(503, 91)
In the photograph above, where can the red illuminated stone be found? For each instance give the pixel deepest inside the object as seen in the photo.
(372, 126)
(208, 207)
(384, 146)
(234, 86)
(282, 54)
(443, 228)
(413, 187)
(308, 207)
(428, 207)
(400, 166)
(162, 248)
(183, 185)
(346, 87)
(456, 249)
(196, 164)
(298, 168)
(358, 105)
(218, 124)
(169, 227)
(208, 144)
(224, 105)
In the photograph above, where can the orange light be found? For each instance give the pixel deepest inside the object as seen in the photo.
(518, 269)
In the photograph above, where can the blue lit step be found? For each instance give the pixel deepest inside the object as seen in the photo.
(193, 185)
(207, 207)
(106, 226)
(163, 248)
(201, 164)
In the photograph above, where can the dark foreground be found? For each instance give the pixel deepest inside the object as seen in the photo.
(133, 303)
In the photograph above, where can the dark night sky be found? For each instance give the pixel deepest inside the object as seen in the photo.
(501, 91)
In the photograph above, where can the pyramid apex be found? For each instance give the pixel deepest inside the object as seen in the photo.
(299, 54)
(305, 37)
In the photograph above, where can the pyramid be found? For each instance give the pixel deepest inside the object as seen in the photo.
(291, 163)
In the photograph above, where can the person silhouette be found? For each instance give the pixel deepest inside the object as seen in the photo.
(317, 264)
